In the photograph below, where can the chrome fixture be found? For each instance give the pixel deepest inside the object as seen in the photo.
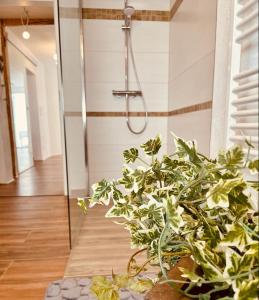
(129, 12)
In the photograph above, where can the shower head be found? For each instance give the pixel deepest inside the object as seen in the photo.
(129, 11)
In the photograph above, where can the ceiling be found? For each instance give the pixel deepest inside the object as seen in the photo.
(38, 9)
(42, 41)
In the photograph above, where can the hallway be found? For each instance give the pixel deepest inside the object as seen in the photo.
(44, 178)
(34, 245)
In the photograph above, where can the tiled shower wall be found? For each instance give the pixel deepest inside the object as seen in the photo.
(104, 44)
(175, 62)
(192, 52)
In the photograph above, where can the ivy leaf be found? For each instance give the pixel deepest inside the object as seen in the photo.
(104, 289)
(174, 215)
(127, 180)
(190, 275)
(120, 209)
(130, 155)
(231, 159)
(207, 259)
(254, 166)
(82, 204)
(236, 236)
(188, 148)
(101, 193)
(152, 146)
(248, 290)
(121, 280)
(218, 194)
(141, 285)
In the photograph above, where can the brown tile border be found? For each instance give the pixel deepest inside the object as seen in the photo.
(123, 114)
(180, 111)
(117, 14)
(192, 108)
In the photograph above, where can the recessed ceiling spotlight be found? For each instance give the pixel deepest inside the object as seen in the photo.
(25, 22)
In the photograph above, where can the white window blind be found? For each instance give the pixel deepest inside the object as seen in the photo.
(243, 94)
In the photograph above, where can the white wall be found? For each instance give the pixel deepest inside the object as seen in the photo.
(46, 112)
(6, 173)
(19, 63)
(191, 68)
(53, 107)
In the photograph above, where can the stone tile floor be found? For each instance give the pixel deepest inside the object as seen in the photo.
(79, 289)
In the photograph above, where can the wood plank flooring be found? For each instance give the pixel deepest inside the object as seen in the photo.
(34, 245)
(44, 178)
(102, 247)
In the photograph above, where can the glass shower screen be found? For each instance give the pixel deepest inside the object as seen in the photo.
(68, 16)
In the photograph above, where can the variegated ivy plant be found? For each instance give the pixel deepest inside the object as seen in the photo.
(186, 204)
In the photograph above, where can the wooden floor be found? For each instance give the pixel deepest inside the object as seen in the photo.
(34, 245)
(44, 178)
(102, 247)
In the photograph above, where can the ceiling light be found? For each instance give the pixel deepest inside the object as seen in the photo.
(26, 35)
(25, 22)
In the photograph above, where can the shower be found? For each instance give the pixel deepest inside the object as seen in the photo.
(128, 12)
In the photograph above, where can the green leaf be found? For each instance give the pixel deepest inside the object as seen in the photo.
(131, 155)
(127, 180)
(254, 166)
(236, 236)
(141, 285)
(121, 281)
(174, 215)
(218, 194)
(152, 146)
(232, 159)
(207, 259)
(187, 149)
(120, 209)
(101, 193)
(248, 290)
(104, 289)
(82, 204)
(186, 273)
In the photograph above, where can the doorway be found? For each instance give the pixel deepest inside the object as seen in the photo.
(36, 113)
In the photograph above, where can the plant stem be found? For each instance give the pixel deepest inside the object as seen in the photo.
(167, 225)
(132, 257)
(143, 161)
(248, 229)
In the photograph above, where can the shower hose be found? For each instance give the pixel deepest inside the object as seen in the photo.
(139, 88)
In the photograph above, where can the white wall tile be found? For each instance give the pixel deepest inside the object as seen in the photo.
(114, 131)
(193, 31)
(117, 4)
(193, 86)
(192, 126)
(100, 98)
(107, 35)
(109, 67)
(69, 34)
(75, 153)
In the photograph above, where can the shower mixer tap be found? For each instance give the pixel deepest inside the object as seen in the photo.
(127, 93)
